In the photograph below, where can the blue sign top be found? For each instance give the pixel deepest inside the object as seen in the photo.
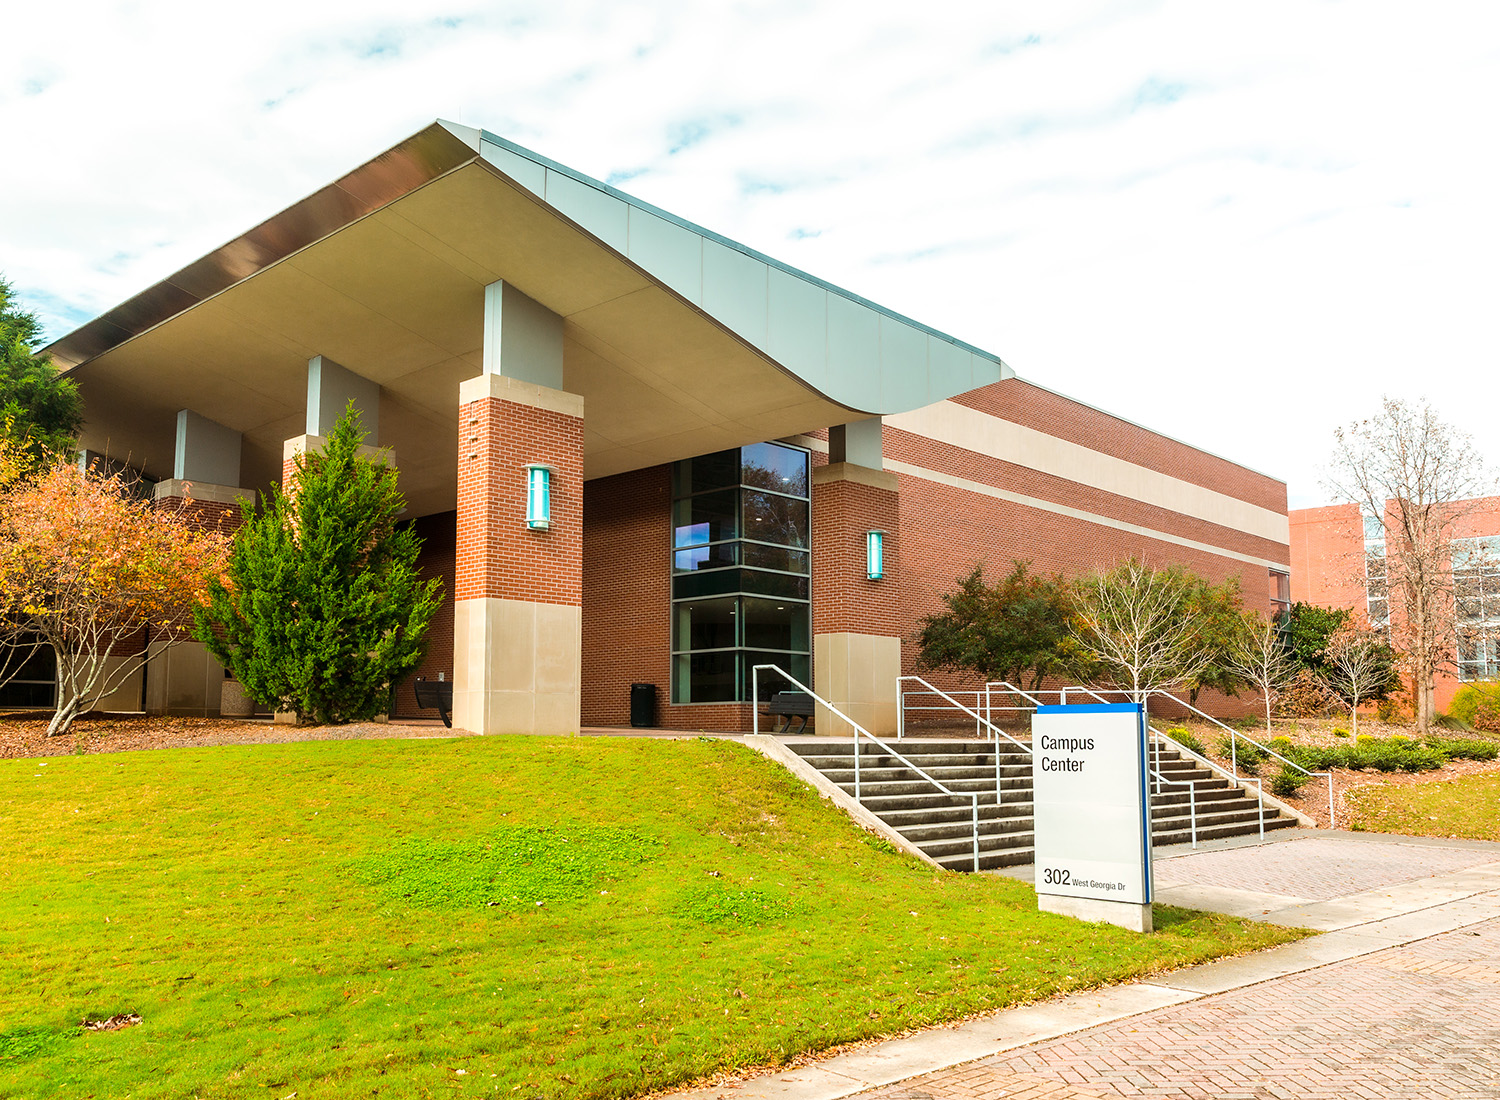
(1091, 708)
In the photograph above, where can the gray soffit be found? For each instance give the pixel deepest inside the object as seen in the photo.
(398, 171)
(850, 350)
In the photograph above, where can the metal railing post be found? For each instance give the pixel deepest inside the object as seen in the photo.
(755, 701)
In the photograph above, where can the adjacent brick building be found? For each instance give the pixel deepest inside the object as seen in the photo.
(1340, 559)
(638, 452)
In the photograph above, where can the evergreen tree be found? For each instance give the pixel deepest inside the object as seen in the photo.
(325, 611)
(40, 411)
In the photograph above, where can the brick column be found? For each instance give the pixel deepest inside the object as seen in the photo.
(518, 591)
(856, 621)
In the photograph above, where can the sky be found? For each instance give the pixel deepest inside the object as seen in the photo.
(1237, 223)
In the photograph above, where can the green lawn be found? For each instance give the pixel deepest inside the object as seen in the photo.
(1468, 807)
(360, 919)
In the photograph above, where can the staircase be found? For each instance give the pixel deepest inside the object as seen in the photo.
(942, 826)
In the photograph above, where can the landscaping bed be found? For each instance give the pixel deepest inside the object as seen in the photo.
(24, 734)
(1391, 753)
(541, 917)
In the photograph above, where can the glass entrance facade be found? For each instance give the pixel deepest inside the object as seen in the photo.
(741, 570)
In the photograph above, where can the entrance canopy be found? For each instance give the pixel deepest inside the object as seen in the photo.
(681, 342)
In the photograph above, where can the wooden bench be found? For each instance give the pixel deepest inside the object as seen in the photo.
(435, 695)
(786, 705)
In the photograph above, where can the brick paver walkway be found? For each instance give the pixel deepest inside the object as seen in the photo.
(1315, 867)
(1413, 1022)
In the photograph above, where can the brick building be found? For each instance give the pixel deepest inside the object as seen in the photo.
(637, 451)
(1339, 559)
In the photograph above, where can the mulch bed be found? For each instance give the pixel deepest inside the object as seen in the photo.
(24, 734)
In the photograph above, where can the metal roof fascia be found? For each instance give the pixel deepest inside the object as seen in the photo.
(398, 171)
(683, 223)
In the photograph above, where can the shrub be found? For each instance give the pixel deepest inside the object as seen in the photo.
(1339, 731)
(1478, 706)
(1306, 696)
(1393, 711)
(1465, 748)
(1186, 738)
(1249, 756)
(1287, 782)
(1283, 745)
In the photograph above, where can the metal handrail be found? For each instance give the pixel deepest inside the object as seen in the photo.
(979, 719)
(1260, 790)
(859, 729)
(1235, 735)
(1192, 800)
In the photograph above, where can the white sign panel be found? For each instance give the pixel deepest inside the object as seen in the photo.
(1093, 828)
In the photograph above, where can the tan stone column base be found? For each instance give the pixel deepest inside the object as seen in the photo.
(857, 674)
(517, 666)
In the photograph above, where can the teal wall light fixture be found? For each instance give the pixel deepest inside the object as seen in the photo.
(538, 496)
(875, 554)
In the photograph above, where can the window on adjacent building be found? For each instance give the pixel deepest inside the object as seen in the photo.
(1281, 594)
(1476, 606)
(741, 570)
(1377, 580)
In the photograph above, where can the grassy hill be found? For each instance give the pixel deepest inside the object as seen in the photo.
(527, 917)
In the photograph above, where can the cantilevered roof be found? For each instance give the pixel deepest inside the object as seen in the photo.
(680, 340)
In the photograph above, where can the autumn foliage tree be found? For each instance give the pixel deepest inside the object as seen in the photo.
(89, 568)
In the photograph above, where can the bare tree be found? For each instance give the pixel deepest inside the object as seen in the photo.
(1358, 667)
(1420, 476)
(1260, 656)
(1134, 627)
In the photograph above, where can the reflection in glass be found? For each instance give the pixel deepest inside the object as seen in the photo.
(776, 557)
(772, 466)
(781, 520)
(705, 557)
(741, 566)
(704, 519)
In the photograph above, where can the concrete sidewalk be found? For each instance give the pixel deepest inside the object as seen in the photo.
(1303, 1031)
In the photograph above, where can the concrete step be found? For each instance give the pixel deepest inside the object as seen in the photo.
(942, 825)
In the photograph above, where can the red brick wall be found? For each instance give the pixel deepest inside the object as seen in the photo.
(627, 541)
(957, 462)
(945, 531)
(497, 554)
(205, 515)
(1328, 563)
(437, 533)
(844, 598)
(1034, 407)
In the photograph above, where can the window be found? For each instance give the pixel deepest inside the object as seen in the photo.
(1281, 594)
(741, 571)
(34, 685)
(1476, 600)
(1377, 582)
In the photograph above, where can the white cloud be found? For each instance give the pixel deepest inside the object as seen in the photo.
(1236, 223)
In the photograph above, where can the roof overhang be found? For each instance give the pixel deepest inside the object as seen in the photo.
(680, 342)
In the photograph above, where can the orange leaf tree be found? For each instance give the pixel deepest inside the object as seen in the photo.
(92, 569)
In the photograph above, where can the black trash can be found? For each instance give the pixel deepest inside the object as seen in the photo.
(643, 706)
